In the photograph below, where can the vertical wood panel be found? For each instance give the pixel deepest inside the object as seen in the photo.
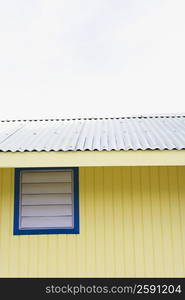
(132, 223)
(175, 221)
(118, 222)
(166, 221)
(181, 202)
(109, 222)
(81, 238)
(90, 222)
(147, 223)
(128, 224)
(4, 234)
(138, 222)
(158, 244)
(99, 222)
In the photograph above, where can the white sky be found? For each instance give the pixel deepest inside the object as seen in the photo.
(77, 58)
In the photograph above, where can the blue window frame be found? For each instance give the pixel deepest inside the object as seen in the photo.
(19, 207)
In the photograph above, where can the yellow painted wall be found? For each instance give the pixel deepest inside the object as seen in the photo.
(132, 223)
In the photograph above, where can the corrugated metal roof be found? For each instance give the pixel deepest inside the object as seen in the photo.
(127, 133)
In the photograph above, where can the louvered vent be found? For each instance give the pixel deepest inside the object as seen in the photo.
(46, 199)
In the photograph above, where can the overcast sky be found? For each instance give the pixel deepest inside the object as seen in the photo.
(78, 58)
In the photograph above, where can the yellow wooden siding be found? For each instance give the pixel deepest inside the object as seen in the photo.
(132, 224)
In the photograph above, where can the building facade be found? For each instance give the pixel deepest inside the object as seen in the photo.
(131, 218)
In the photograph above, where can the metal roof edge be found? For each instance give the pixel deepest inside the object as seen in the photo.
(139, 116)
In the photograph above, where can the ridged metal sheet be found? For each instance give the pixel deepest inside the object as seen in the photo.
(128, 133)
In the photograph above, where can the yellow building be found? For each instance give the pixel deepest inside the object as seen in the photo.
(93, 197)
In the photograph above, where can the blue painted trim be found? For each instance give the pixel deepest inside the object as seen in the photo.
(18, 231)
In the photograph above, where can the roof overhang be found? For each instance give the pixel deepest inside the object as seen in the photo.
(92, 158)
